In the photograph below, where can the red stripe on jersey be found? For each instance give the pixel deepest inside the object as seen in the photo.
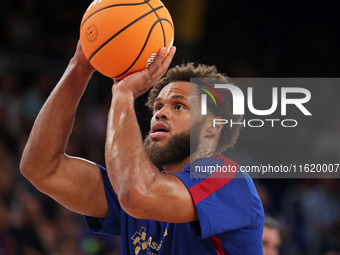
(217, 244)
(214, 182)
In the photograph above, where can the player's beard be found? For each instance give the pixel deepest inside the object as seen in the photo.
(176, 150)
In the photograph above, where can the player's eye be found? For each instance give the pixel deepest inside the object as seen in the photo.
(158, 107)
(179, 107)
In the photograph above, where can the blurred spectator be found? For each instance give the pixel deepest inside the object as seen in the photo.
(7, 241)
(10, 104)
(321, 212)
(35, 95)
(271, 237)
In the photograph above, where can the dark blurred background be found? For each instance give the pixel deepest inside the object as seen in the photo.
(242, 38)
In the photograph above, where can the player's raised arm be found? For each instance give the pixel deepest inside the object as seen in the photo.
(143, 191)
(73, 182)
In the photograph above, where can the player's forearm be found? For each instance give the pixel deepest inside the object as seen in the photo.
(51, 130)
(129, 167)
(143, 192)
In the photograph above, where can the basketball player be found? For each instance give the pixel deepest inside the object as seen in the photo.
(153, 212)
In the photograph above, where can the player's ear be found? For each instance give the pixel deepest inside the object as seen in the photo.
(215, 127)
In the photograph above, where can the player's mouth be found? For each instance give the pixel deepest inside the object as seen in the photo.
(158, 130)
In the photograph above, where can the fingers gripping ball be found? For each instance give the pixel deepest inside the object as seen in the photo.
(120, 37)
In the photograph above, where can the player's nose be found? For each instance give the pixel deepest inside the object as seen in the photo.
(163, 113)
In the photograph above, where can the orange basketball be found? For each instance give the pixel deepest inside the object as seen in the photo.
(120, 37)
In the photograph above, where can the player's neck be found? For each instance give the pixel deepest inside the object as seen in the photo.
(172, 168)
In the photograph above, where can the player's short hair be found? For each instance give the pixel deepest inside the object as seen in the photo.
(184, 73)
(271, 222)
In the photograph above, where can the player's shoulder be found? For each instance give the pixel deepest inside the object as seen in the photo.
(217, 166)
(222, 172)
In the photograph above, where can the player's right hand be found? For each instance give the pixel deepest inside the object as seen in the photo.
(81, 60)
(140, 82)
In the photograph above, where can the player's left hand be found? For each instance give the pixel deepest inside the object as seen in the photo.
(140, 82)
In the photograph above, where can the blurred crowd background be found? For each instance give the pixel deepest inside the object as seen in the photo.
(243, 38)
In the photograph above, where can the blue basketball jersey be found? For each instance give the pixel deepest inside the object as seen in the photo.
(230, 216)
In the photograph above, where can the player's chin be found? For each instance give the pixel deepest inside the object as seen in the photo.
(159, 141)
(153, 143)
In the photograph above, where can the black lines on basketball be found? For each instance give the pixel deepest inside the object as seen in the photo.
(120, 37)
(160, 24)
(111, 6)
(141, 51)
(120, 31)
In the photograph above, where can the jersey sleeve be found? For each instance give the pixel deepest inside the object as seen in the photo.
(111, 224)
(223, 203)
